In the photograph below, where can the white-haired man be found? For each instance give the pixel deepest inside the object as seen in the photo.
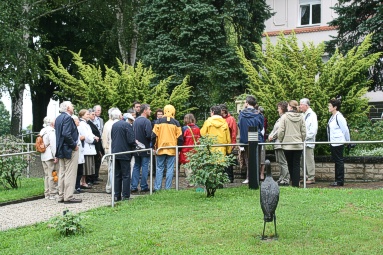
(106, 144)
(122, 137)
(67, 153)
(98, 121)
(311, 121)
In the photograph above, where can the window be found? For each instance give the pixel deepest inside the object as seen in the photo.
(309, 12)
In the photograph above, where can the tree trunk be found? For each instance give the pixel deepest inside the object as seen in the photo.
(121, 31)
(133, 47)
(17, 110)
(40, 101)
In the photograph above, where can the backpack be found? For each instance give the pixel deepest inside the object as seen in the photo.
(39, 145)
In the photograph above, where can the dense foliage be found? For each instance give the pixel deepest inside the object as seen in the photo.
(356, 19)
(285, 71)
(197, 38)
(117, 88)
(5, 122)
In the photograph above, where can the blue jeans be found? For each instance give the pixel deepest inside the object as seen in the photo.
(144, 163)
(160, 170)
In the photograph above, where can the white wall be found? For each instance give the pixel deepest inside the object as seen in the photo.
(287, 12)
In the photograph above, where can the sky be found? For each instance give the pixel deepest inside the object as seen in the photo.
(52, 110)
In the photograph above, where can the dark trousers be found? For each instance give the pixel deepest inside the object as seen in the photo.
(122, 179)
(80, 171)
(293, 158)
(337, 156)
(230, 173)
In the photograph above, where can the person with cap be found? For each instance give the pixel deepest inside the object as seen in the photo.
(128, 117)
(166, 132)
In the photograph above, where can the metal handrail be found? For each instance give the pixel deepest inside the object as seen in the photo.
(305, 143)
(192, 146)
(113, 155)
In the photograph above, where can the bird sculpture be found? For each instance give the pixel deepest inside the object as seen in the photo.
(269, 199)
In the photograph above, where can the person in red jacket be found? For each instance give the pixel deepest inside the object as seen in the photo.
(191, 134)
(233, 135)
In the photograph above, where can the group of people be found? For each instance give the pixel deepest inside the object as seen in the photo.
(295, 127)
(77, 144)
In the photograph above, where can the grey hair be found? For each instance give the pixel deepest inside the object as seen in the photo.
(261, 109)
(111, 110)
(305, 101)
(115, 114)
(94, 107)
(64, 106)
(130, 110)
(47, 121)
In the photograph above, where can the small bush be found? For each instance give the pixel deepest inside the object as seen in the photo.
(68, 224)
(208, 166)
(364, 153)
(12, 167)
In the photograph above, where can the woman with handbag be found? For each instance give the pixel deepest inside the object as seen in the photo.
(191, 134)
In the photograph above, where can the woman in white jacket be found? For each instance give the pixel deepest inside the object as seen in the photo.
(48, 158)
(81, 159)
(337, 131)
(88, 144)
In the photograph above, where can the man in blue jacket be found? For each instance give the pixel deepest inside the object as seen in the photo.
(143, 132)
(67, 153)
(249, 117)
(123, 140)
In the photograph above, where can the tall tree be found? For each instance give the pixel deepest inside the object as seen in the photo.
(20, 47)
(356, 19)
(197, 38)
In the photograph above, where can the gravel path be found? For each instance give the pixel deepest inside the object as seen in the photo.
(28, 213)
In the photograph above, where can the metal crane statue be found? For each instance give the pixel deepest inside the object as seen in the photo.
(269, 199)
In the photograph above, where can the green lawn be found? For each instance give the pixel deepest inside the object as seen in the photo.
(310, 221)
(29, 187)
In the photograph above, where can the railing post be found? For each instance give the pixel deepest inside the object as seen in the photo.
(151, 172)
(304, 164)
(253, 158)
(29, 161)
(113, 179)
(177, 184)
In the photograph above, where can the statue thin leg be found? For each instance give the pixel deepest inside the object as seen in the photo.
(275, 225)
(263, 234)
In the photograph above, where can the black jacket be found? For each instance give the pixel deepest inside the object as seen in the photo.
(66, 136)
(143, 132)
(96, 132)
(122, 139)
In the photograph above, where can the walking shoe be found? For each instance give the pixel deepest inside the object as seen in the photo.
(145, 190)
(73, 200)
(245, 181)
(310, 181)
(283, 183)
(336, 184)
(76, 192)
(52, 197)
(133, 190)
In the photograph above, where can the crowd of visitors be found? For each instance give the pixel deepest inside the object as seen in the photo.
(76, 145)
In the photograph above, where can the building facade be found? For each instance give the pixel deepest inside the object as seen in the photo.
(308, 18)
